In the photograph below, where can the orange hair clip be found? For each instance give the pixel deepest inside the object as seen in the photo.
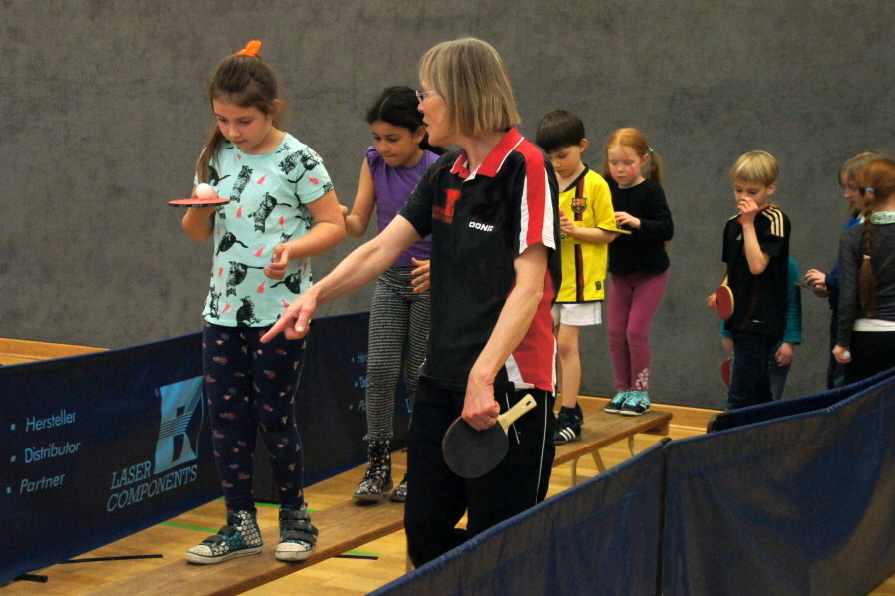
(251, 49)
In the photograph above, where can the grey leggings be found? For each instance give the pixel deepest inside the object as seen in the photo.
(399, 330)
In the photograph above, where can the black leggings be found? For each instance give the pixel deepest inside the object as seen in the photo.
(438, 498)
(872, 352)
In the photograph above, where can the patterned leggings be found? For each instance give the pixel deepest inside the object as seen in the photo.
(251, 386)
(399, 330)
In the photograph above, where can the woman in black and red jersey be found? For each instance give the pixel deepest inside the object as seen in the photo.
(491, 208)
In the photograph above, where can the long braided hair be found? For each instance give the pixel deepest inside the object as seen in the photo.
(877, 181)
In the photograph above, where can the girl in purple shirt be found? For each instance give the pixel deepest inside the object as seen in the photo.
(399, 313)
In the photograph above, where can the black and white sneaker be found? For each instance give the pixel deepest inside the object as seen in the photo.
(568, 429)
(298, 536)
(240, 537)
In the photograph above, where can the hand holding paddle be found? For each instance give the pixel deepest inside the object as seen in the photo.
(472, 453)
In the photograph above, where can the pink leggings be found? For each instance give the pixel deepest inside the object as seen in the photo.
(633, 300)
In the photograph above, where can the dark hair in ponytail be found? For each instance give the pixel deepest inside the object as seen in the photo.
(247, 81)
(877, 179)
(398, 106)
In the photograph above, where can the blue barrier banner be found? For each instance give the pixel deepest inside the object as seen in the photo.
(790, 407)
(600, 537)
(99, 446)
(795, 505)
(331, 401)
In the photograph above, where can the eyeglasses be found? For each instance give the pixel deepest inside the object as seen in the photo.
(422, 95)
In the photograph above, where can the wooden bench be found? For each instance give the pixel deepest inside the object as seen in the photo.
(347, 526)
(342, 528)
(601, 429)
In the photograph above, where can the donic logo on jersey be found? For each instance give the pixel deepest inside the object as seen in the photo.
(446, 213)
(480, 226)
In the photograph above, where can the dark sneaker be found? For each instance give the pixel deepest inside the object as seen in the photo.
(636, 404)
(615, 404)
(241, 536)
(568, 430)
(298, 536)
(579, 413)
(400, 493)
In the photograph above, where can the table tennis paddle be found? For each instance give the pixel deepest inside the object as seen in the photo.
(724, 301)
(725, 371)
(471, 453)
(197, 202)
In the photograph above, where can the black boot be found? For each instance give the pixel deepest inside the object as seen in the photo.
(400, 494)
(378, 477)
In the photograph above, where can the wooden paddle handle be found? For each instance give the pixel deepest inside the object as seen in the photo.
(516, 412)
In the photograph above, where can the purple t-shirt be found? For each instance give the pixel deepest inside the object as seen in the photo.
(392, 186)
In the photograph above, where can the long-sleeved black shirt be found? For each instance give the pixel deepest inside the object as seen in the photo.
(643, 250)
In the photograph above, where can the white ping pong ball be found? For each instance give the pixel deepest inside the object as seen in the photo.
(205, 191)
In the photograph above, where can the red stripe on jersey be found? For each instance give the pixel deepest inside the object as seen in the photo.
(535, 355)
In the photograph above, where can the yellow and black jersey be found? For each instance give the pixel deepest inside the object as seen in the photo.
(587, 202)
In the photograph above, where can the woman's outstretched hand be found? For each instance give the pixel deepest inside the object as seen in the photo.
(295, 322)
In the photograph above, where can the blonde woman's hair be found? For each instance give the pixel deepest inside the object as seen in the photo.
(470, 76)
(755, 166)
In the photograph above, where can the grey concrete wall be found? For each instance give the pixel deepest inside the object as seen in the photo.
(103, 117)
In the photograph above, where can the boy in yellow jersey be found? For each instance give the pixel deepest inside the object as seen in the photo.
(587, 226)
